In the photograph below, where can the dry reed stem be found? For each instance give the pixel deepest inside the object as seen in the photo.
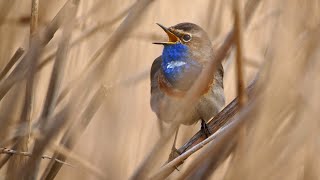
(47, 35)
(17, 162)
(16, 56)
(34, 17)
(78, 161)
(58, 67)
(10, 111)
(26, 112)
(97, 67)
(51, 97)
(100, 97)
(286, 133)
(25, 117)
(241, 92)
(77, 80)
(44, 37)
(167, 169)
(86, 35)
(281, 133)
(206, 163)
(28, 154)
(220, 120)
(311, 163)
(58, 121)
(20, 130)
(68, 139)
(4, 160)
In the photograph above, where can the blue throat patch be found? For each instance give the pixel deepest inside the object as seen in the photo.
(176, 63)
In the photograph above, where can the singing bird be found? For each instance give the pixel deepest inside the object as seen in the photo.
(185, 54)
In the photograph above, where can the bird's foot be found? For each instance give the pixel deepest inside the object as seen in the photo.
(205, 129)
(174, 154)
(160, 127)
(174, 151)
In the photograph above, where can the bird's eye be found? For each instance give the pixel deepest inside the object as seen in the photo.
(186, 38)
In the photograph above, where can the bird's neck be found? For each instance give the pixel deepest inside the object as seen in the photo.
(178, 67)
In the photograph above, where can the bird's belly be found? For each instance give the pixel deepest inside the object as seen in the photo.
(207, 107)
(169, 105)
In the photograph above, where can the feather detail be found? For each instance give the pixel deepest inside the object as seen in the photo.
(169, 90)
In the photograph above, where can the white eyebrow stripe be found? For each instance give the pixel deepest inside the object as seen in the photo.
(174, 64)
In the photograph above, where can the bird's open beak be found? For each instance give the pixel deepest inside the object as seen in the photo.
(173, 39)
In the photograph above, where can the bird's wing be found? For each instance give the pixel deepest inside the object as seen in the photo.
(154, 69)
(219, 76)
(156, 94)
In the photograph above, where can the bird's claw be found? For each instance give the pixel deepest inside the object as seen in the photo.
(174, 154)
(205, 129)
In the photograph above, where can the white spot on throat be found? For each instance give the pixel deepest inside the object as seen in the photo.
(174, 64)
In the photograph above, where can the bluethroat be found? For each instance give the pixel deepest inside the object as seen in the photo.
(185, 54)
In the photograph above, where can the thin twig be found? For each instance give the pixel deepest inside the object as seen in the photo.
(19, 52)
(34, 17)
(239, 55)
(7, 157)
(26, 112)
(28, 154)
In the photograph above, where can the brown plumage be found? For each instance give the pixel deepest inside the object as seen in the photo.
(165, 93)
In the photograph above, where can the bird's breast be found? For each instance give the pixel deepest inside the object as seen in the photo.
(178, 67)
(168, 89)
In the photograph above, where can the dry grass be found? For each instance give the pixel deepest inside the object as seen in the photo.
(74, 95)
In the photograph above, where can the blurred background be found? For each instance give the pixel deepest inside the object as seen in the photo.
(280, 46)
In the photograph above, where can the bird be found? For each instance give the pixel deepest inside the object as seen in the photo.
(186, 53)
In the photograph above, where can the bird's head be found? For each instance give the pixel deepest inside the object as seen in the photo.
(190, 36)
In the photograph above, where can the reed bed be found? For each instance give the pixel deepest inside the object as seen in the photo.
(75, 90)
